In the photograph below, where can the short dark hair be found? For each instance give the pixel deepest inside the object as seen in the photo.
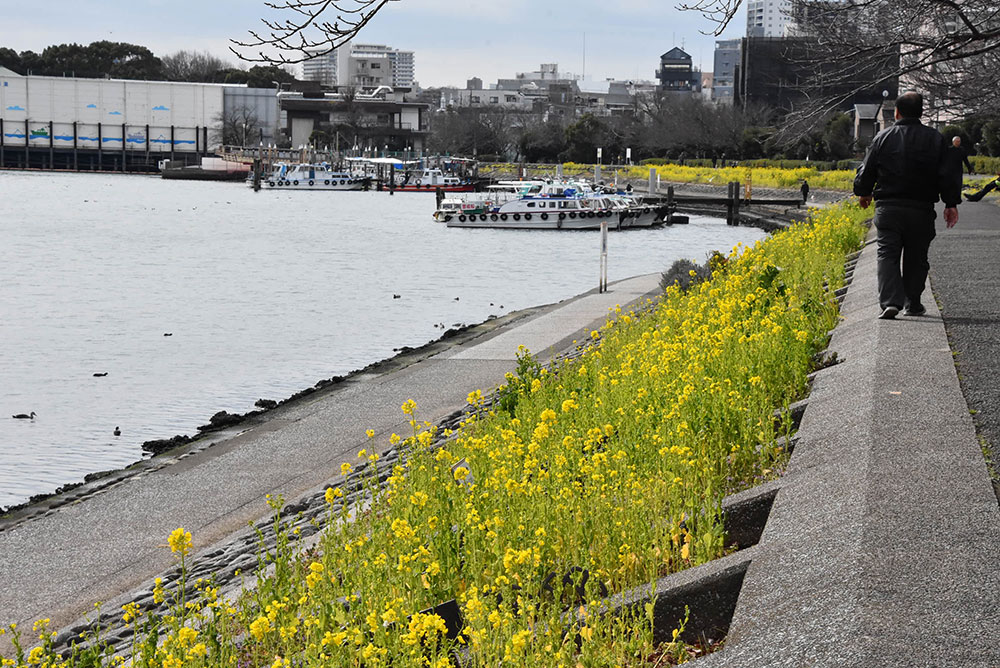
(910, 105)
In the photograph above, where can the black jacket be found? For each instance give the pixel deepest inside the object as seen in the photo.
(909, 163)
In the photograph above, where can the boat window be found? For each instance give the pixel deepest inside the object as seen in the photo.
(531, 205)
(552, 205)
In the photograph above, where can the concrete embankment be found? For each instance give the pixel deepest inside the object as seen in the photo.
(882, 547)
(108, 541)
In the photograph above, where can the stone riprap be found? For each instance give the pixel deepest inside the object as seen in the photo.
(111, 541)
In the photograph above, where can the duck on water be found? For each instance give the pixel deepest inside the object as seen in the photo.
(24, 416)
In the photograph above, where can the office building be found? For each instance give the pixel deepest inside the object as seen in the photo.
(362, 66)
(768, 18)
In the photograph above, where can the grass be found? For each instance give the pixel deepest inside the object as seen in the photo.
(603, 474)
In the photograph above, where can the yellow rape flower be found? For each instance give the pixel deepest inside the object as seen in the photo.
(259, 628)
(180, 541)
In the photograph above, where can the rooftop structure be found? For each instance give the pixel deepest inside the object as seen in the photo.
(676, 72)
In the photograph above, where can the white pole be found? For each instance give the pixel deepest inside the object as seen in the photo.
(602, 285)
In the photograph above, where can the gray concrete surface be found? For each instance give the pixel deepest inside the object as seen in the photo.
(57, 565)
(883, 545)
(965, 264)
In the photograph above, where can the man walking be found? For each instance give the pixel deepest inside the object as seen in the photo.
(961, 156)
(906, 169)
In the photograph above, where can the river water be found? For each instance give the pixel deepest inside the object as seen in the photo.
(262, 295)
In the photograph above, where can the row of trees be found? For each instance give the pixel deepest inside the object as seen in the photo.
(120, 60)
(663, 127)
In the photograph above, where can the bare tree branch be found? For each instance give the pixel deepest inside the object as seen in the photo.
(316, 27)
(947, 48)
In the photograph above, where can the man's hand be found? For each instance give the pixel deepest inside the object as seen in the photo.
(865, 202)
(951, 216)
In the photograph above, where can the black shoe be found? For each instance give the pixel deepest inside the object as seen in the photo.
(889, 313)
(915, 310)
(973, 198)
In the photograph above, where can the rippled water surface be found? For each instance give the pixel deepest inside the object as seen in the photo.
(263, 294)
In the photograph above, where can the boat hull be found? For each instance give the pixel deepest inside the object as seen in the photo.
(314, 184)
(535, 222)
(413, 188)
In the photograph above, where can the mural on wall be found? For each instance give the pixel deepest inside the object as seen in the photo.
(70, 113)
(164, 140)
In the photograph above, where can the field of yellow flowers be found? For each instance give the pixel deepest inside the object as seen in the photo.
(600, 475)
(766, 177)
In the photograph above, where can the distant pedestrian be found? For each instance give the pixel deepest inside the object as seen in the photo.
(905, 170)
(959, 155)
(992, 185)
(439, 196)
(805, 191)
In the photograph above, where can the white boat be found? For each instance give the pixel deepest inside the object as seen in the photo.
(431, 179)
(309, 176)
(545, 205)
(475, 204)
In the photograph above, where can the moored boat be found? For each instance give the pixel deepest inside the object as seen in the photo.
(432, 180)
(548, 205)
(310, 176)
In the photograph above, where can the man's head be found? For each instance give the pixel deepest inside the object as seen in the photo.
(909, 105)
(956, 141)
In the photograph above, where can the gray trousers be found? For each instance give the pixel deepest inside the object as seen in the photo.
(905, 234)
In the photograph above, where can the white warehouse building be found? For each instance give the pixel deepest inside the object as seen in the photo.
(72, 122)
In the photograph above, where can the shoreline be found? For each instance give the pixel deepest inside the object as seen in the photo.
(224, 425)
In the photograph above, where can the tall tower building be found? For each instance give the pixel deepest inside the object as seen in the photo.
(362, 65)
(768, 18)
(321, 68)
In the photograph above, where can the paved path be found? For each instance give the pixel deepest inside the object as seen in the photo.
(883, 545)
(59, 564)
(965, 270)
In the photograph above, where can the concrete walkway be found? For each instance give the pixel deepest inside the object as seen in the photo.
(883, 544)
(57, 565)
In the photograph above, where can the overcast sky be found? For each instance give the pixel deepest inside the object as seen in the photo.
(453, 40)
